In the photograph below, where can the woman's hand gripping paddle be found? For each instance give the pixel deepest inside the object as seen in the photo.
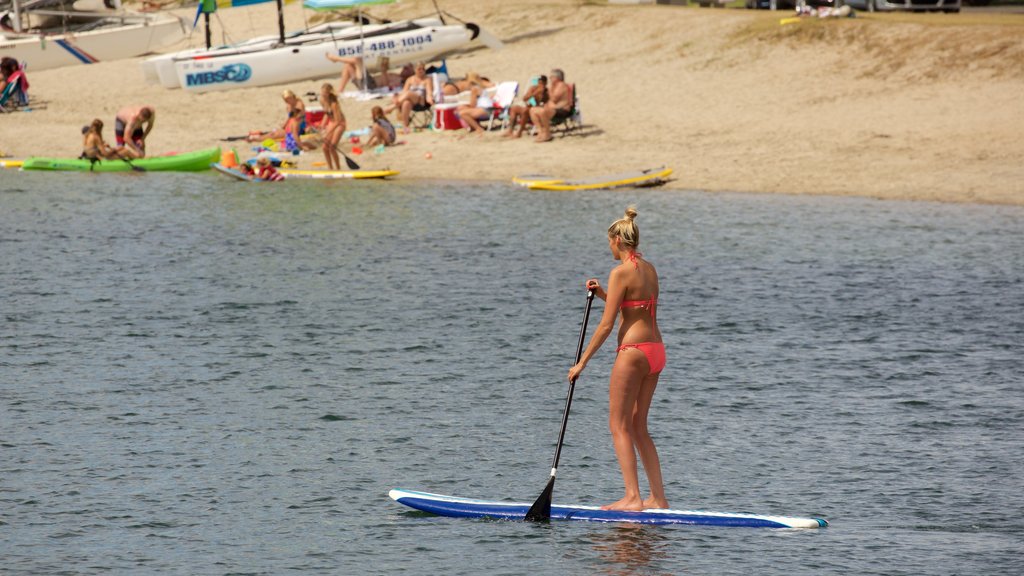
(541, 509)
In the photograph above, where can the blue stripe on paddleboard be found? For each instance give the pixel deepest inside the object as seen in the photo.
(470, 508)
(77, 52)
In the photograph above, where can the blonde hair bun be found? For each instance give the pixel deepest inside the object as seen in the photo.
(626, 229)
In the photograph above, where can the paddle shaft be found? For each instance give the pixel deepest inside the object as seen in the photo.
(572, 385)
(541, 509)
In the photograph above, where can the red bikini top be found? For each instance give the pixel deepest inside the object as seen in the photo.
(649, 303)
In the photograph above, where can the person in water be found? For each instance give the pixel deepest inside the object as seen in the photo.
(632, 293)
(130, 121)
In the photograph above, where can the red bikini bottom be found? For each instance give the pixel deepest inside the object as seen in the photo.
(655, 352)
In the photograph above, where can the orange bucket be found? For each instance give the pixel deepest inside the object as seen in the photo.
(228, 159)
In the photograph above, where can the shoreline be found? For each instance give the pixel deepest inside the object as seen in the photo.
(732, 101)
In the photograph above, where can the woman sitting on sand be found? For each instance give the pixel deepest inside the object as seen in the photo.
(93, 146)
(294, 124)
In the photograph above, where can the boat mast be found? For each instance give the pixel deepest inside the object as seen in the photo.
(17, 15)
(280, 22)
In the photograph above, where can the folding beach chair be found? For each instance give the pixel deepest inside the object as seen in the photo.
(15, 93)
(504, 95)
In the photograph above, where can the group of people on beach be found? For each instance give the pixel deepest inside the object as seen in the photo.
(548, 99)
(132, 126)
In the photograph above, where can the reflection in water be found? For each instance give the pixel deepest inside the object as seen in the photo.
(632, 548)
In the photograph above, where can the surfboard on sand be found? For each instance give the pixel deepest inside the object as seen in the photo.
(472, 508)
(635, 178)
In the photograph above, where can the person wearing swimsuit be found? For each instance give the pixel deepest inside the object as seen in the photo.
(632, 294)
(418, 93)
(333, 125)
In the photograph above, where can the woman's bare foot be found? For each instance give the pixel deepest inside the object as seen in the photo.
(654, 503)
(631, 504)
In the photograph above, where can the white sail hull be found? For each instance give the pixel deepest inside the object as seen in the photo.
(144, 35)
(251, 66)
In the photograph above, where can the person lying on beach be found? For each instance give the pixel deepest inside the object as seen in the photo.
(93, 145)
(246, 169)
(267, 170)
(294, 124)
(519, 115)
(417, 93)
(382, 132)
(453, 88)
(481, 108)
(130, 121)
(333, 125)
(559, 105)
(354, 69)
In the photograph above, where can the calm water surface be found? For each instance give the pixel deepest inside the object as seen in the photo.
(204, 377)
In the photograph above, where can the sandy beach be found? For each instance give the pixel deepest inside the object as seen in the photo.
(892, 106)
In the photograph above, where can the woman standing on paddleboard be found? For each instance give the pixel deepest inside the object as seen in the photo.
(633, 291)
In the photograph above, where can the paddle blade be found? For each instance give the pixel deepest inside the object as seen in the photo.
(541, 509)
(351, 163)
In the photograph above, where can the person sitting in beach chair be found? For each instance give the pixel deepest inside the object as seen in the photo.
(480, 108)
(573, 120)
(416, 96)
(558, 106)
(519, 116)
(490, 104)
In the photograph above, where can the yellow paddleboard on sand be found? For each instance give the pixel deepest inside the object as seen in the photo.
(336, 174)
(636, 179)
(11, 163)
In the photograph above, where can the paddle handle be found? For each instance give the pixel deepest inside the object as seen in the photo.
(572, 385)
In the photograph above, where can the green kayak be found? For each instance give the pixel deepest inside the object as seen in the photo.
(187, 162)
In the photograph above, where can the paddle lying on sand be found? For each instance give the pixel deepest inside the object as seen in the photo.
(541, 509)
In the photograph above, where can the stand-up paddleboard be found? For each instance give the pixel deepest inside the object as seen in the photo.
(337, 174)
(234, 173)
(11, 163)
(636, 179)
(470, 508)
(529, 180)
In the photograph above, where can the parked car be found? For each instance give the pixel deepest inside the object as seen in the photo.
(916, 5)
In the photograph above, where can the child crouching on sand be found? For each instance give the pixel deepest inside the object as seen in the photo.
(382, 132)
